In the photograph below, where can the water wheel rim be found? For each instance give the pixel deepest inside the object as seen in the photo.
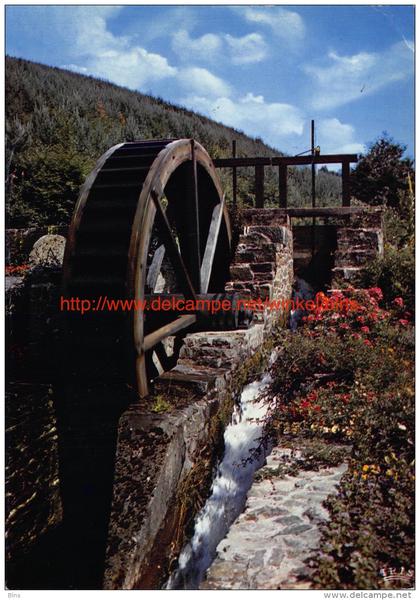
(165, 165)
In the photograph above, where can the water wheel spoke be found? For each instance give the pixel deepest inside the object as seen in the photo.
(172, 249)
(152, 339)
(213, 235)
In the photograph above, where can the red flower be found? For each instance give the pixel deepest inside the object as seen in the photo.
(16, 270)
(367, 343)
(403, 322)
(365, 329)
(375, 293)
(305, 404)
(344, 326)
(398, 302)
(332, 384)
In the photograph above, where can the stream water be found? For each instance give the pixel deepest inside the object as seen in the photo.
(228, 494)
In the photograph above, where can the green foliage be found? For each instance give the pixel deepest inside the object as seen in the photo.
(399, 225)
(382, 174)
(394, 273)
(160, 405)
(46, 185)
(348, 379)
(61, 122)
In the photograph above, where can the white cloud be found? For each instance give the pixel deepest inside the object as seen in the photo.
(100, 53)
(202, 48)
(285, 23)
(131, 67)
(346, 78)
(200, 81)
(335, 137)
(250, 48)
(272, 121)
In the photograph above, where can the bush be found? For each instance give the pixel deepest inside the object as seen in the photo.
(394, 273)
(382, 174)
(46, 187)
(348, 379)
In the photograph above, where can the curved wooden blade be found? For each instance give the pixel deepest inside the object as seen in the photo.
(211, 244)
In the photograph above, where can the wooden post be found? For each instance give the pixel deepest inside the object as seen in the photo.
(313, 163)
(345, 179)
(283, 185)
(313, 172)
(259, 186)
(234, 180)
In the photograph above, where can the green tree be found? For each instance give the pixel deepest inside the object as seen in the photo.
(382, 174)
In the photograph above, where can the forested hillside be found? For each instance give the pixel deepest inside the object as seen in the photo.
(58, 123)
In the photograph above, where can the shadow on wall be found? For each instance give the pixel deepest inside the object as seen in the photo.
(315, 266)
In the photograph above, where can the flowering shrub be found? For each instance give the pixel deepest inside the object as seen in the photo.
(394, 273)
(347, 378)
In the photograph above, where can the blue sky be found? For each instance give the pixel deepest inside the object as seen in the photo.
(266, 70)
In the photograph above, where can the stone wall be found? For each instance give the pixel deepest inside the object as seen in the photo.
(262, 266)
(33, 501)
(359, 241)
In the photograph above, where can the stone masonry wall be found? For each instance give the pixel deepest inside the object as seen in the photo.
(359, 241)
(262, 266)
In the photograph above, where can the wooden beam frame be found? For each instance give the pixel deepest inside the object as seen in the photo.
(283, 162)
(319, 159)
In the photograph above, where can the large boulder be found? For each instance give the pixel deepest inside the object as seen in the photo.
(48, 251)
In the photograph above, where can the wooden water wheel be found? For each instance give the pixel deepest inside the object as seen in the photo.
(150, 222)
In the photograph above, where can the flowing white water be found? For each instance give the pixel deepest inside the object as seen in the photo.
(229, 489)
